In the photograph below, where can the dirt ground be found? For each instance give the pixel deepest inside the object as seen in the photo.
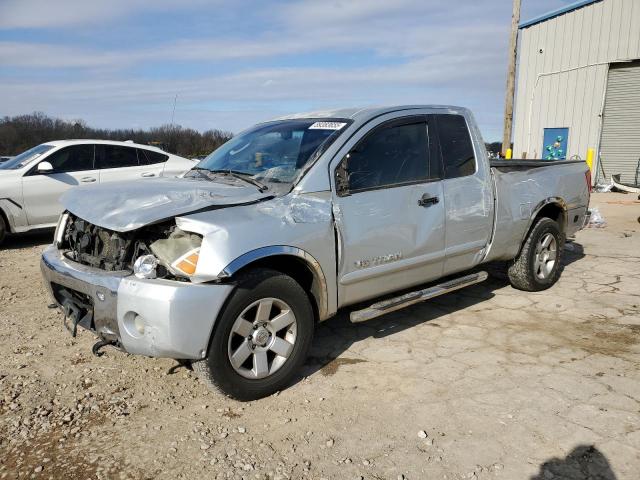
(486, 383)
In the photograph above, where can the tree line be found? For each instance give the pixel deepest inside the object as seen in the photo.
(22, 132)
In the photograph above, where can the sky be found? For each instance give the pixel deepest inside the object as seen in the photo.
(121, 63)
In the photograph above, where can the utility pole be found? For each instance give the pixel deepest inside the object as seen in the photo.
(173, 114)
(511, 78)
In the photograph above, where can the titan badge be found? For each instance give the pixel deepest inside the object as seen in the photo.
(379, 260)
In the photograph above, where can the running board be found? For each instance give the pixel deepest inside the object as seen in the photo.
(393, 304)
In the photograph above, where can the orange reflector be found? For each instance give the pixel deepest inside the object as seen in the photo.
(187, 263)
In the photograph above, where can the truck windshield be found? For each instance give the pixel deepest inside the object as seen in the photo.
(25, 157)
(275, 152)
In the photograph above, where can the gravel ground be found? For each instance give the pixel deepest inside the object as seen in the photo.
(486, 383)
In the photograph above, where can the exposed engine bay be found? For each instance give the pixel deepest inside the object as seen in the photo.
(108, 250)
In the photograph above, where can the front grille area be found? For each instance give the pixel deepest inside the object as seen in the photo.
(108, 250)
(98, 247)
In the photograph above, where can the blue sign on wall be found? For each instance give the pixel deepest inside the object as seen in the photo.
(554, 146)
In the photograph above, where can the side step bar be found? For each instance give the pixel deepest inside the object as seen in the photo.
(393, 304)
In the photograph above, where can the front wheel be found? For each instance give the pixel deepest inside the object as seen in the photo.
(261, 338)
(538, 265)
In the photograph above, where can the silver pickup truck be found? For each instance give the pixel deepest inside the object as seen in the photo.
(231, 266)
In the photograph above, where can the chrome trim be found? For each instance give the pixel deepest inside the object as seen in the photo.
(391, 305)
(56, 268)
(264, 252)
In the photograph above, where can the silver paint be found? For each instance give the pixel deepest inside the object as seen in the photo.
(480, 218)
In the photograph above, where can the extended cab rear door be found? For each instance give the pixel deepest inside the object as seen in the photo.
(468, 197)
(388, 208)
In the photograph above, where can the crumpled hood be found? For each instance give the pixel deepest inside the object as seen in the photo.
(125, 206)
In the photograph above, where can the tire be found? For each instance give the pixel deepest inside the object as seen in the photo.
(267, 300)
(3, 229)
(531, 271)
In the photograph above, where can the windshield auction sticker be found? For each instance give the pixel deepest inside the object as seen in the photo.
(327, 126)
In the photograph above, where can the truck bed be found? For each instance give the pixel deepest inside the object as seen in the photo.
(522, 187)
(526, 164)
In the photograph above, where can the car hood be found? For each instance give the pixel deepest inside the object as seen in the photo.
(125, 206)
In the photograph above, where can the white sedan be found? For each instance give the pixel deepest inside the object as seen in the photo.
(32, 182)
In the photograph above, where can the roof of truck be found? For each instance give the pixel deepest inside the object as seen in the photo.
(366, 113)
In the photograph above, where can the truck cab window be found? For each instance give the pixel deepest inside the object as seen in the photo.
(391, 155)
(455, 144)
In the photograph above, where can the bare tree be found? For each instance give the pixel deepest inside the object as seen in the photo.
(22, 132)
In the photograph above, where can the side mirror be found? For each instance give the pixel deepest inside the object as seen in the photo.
(44, 167)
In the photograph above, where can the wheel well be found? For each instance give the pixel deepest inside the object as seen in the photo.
(553, 211)
(4, 217)
(297, 269)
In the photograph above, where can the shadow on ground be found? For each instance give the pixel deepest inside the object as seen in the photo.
(585, 462)
(335, 336)
(27, 240)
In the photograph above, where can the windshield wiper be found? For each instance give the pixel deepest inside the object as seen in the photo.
(242, 176)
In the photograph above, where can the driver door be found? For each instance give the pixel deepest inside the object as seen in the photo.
(389, 210)
(72, 166)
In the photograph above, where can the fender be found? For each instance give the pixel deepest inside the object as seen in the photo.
(247, 258)
(13, 214)
(556, 201)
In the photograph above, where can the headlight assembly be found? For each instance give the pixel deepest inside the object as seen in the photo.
(145, 266)
(179, 252)
(188, 262)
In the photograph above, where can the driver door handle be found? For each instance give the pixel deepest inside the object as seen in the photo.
(87, 179)
(148, 174)
(427, 201)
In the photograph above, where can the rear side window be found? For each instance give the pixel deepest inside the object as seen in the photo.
(115, 156)
(390, 155)
(72, 159)
(149, 157)
(455, 144)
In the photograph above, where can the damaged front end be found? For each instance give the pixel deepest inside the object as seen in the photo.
(160, 250)
(156, 251)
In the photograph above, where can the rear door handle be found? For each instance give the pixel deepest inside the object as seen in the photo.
(427, 201)
(148, 174)
(87, 180)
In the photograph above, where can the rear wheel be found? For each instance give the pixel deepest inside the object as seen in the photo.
(538, 265)
(261, 338)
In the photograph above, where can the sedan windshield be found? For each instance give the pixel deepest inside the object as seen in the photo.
(275, 152)
(25, 157)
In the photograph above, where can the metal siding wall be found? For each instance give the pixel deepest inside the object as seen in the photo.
(562, 87)
(620, 148)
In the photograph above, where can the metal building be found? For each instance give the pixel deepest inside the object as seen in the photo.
(578, 86)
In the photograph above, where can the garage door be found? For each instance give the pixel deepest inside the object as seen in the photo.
(620, 142)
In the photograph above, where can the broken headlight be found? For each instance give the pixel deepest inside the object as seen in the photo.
(179, 253)
(145, 267)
